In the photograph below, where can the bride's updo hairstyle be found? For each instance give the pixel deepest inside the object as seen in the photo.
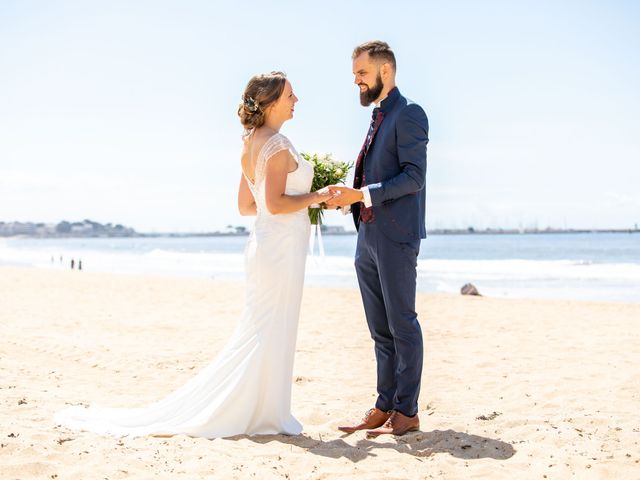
(259, 94)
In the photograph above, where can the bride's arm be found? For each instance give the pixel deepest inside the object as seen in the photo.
(246, 202)
(276, 172)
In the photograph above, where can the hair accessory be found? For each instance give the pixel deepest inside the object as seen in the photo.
(250, 104)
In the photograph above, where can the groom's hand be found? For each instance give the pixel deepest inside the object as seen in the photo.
(343, 196)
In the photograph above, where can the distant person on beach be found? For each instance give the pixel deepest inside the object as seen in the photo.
(79, 264)
(72, 263)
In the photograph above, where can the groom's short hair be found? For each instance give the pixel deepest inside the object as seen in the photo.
(378, 51)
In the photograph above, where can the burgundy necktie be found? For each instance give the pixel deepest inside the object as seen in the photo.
(366, 213)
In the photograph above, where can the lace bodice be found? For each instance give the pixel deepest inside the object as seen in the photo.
(298, 182)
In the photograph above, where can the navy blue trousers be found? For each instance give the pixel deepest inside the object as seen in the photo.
(387, 277)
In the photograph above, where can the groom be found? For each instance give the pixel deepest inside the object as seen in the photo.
(388, 206)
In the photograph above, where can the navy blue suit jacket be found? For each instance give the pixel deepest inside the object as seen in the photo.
(395, 170)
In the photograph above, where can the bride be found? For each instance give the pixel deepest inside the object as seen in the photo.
(246, 389)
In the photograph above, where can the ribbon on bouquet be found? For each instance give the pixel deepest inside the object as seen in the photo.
(316, 231)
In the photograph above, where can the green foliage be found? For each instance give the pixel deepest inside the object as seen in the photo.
(326, 171)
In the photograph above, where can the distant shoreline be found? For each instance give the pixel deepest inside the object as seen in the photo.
(429, 232)
(92, 229)
(328, 233)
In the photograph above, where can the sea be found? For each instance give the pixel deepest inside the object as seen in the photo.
(572, 266)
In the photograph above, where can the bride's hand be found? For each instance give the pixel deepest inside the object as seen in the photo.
(323, 195)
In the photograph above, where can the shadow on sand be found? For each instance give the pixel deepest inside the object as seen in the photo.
(418, 444)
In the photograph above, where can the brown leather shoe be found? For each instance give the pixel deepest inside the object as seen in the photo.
(374, 418)
(398, 424)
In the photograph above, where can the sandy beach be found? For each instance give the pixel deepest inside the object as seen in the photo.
(510, 388)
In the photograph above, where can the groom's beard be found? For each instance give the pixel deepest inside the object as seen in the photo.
(371, 94)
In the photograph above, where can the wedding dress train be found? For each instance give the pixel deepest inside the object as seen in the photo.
(246, 389)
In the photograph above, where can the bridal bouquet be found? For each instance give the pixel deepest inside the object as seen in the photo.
(326, 171)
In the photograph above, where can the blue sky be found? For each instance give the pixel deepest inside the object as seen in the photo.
(125, 111)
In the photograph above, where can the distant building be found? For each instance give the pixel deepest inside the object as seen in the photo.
(333, 229)
(24, 228)
(81, 229)
(233, 230)
(86, 228)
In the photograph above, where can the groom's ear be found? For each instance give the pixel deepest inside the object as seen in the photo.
(386, 71)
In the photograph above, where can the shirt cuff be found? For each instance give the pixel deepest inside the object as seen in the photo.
(366, 196)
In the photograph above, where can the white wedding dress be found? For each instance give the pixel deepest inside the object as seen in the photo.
(246, 389)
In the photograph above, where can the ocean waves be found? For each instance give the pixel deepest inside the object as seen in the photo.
(573, 278)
